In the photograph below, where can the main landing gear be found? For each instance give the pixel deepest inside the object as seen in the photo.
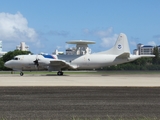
(59, 73)
(21, 73)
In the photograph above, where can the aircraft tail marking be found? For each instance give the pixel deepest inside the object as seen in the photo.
(121, 46)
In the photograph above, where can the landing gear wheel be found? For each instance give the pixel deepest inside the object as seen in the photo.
(21, 73)
(59, 73)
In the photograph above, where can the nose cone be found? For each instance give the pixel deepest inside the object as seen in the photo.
(7, 64)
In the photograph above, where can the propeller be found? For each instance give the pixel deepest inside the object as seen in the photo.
(36, 62)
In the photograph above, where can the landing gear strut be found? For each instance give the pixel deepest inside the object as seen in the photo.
(59, 73)
(21, 73)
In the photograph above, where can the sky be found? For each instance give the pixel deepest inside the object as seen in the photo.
(46, 25)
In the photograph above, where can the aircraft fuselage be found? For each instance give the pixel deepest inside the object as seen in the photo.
(88, 61)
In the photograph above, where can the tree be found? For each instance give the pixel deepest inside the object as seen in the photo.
(156, 59)
(11, 54)
(1, 64)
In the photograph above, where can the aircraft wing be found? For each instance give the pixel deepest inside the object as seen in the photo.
(123, 55)
(62, 64)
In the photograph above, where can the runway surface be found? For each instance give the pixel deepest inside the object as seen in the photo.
(133, 80)
(80, 97)
(79, 103)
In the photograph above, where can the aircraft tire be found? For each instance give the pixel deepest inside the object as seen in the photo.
(59, 73)
(21, 73)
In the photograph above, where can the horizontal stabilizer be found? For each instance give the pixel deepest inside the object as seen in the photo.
(147, 55)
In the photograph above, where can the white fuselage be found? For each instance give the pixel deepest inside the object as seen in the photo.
(92, 61)
(88, 61)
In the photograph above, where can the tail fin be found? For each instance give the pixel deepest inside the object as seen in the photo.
(121, 46)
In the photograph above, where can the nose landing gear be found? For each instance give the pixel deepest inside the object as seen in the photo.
(59, 73)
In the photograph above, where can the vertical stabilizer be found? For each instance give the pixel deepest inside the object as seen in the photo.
(121, 46)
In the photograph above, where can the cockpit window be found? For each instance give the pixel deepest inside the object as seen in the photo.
(16, 58)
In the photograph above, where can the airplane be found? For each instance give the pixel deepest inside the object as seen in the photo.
(118, 54)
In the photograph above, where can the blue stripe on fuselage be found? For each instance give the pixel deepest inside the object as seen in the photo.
(48, 56)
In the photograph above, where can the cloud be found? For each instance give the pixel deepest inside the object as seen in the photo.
(152, 43)
(14, 27)
(107, 36)
(109, 41)
(104, 33)
(133, 43)
(157, 37)
(59, 33)
(86, 31)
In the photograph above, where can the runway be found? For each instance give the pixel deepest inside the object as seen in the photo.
(79, 97)
(129, 80)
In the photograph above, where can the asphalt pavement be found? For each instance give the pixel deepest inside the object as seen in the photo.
(79, 103)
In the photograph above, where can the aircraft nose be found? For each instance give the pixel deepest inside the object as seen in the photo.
(7, 64)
